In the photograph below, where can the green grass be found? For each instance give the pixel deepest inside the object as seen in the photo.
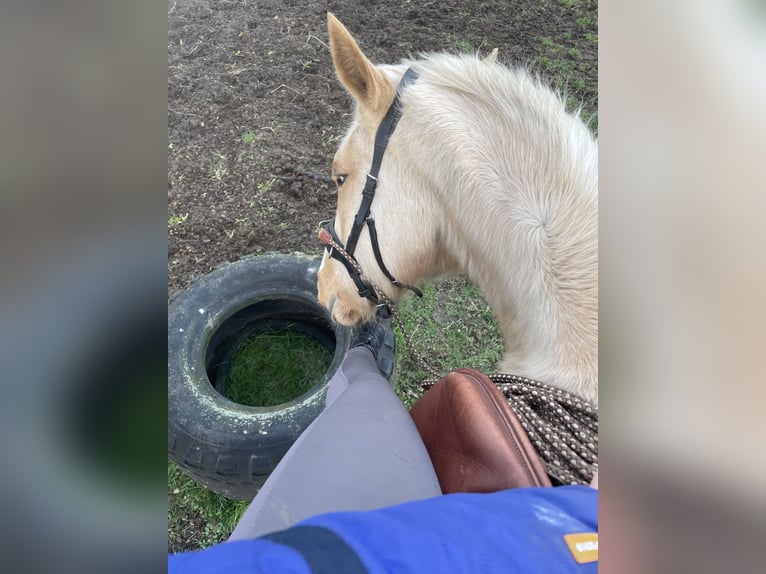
(176, 220)
(274, 367)
(220, 170)
(197, 517)
(464, 46)
(265, 186)
(452, 327)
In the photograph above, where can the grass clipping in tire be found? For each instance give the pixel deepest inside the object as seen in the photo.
(274, 367)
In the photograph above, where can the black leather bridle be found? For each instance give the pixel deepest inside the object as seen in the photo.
(363, 216)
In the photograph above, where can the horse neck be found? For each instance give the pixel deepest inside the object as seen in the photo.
(519, 216)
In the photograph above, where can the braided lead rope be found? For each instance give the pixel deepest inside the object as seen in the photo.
(416, 356)
(559, 425)
(562, 427)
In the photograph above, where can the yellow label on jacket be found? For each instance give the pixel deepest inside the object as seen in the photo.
(583, 546)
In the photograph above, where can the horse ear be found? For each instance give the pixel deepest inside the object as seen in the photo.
(364, 81)
(491, 58)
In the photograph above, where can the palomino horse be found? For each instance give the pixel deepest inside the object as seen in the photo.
(485, 173)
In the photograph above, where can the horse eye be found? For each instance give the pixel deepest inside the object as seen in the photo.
(339, 180)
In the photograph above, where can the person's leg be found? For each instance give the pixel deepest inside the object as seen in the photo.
(362, 452)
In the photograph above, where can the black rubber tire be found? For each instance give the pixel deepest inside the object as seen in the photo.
(230, 448)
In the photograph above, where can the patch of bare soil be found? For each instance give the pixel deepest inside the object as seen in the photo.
(255, 112)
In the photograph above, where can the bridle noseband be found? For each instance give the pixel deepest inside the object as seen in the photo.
(363, 216)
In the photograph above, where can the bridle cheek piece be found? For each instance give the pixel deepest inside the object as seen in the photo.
(345, 253)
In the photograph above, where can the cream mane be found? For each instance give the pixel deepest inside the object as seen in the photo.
(530, 182)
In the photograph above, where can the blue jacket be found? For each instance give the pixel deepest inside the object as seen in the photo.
(520, 530)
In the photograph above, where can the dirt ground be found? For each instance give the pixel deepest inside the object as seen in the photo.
(255, 112)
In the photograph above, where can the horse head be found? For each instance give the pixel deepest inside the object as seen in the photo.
(401, 223)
